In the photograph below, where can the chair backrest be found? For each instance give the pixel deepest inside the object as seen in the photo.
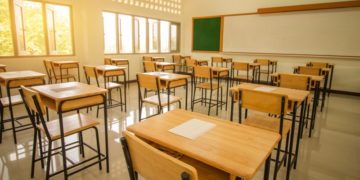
(309, 70)
(176, 58)
(151, 163)
(107, 61)
(240, 66)
(263, 62)
(294, 81)
(3, 69)
(147, 81)
(147, 58)
(266, 102)
(48, 67)
(216, 60)
(190, 62)
(29, 96)
(318, 64)
(149, 66)
(202, 72)
(90, 72)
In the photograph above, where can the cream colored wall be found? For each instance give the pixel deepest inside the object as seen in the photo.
(346, 76)
(88, 33)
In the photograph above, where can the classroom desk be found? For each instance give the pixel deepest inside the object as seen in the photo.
(221, 72)
(331, 66)
(66, 65)
(15, 79)
(255, 67)
(72, 96)
(158, 59)
(273, 64)
(172, 80)
(234, 148)
(165, 66)
(121, 62)
(315, 80)
(298, 98)
(202, 62)
(226, 60)
(108, 71)
(2, 68)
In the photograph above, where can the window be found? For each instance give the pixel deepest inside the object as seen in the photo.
(140, 34)
(59, 29)
(110, 43)
(125, 34)
(134, 34)
(165, 36)
(6, 45)
(29, 33)
(29, 28)
(174, 37)
(153, 35)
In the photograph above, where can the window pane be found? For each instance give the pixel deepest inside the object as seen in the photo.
(59, 29)
(165, 36)
(6, 44)
(125, 33)
(140, 35)
(110, 33)
(153, 35)
(29, 28)
(174, 36)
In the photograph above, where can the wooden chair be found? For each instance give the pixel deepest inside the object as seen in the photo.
(152, 164)
(107, 61)
(51, 73)
(147, 58)
(269, 103)
(90, 73)
(203, 79)
(152, 83)
(72, 124)
(318, 64)
(313, 71)
(4, 103)
(240, 71)
(215, 61)
(2, 69)
(190, 64)
(265, 67)
(179, 62)
(149, 66)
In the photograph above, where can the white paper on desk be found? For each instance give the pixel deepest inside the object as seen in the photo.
(192, 128)
(265, 88)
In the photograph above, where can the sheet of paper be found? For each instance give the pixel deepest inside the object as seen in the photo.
(265, 88)
(192, 128)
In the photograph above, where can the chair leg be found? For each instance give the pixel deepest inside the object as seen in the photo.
(210, 101)
(81, 140)
(121, 102)
(277, 160)
(41, 150)
(286, 149)
(98, 147)
(192, 101)
(48, 161)
(97, 111)
(33, 154)
(140, 109)
(1, 123)
(179, 104)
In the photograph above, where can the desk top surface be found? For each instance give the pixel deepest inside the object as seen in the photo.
(12, 75)
(165, 76)
(109, 68)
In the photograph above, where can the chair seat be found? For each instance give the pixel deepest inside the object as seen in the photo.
(208, 86)
(163, 98)
(204, 171)
(72, 124)
(243, 77)
(266, 122)
(14, 100)
(64, 76)
(110, 85)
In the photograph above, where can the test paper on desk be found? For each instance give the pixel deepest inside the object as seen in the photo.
(192, 128)
(265, 88)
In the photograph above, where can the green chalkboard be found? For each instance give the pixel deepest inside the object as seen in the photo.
(206, 34)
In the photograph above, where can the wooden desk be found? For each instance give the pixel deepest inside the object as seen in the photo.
(121, 62)
(72, 96)
(255, 67)
(172, 80)
(202, 62)
(2, 68)
(221, 72)
(165, 66)
(296, 97)
(158, 59)
(66, 65)
(15, 79)
(234, 148)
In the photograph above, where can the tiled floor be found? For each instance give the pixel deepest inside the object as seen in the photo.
(332, 152)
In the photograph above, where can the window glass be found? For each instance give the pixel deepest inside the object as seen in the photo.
(125, 34)
(6, 45)
(165, 36)
(110, 46)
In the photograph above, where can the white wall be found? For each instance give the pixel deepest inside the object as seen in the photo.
(88, 33)
(346, 76)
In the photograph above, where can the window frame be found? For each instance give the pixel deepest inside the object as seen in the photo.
(178, 24)
(17, 53)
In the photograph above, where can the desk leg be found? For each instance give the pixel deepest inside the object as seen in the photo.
(324, 91)
(267, 168)
(62, 137)
(61, 79)
(125, 87)
(313, 113)
(331, 79)
(227, 90)
(11, 114)
(232, 108)
(289, 164)
(106, 136)
(78, 69)
(186, 93)
(303, 105)
(128, 71)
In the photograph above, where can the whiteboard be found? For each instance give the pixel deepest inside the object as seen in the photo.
(322, 32)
